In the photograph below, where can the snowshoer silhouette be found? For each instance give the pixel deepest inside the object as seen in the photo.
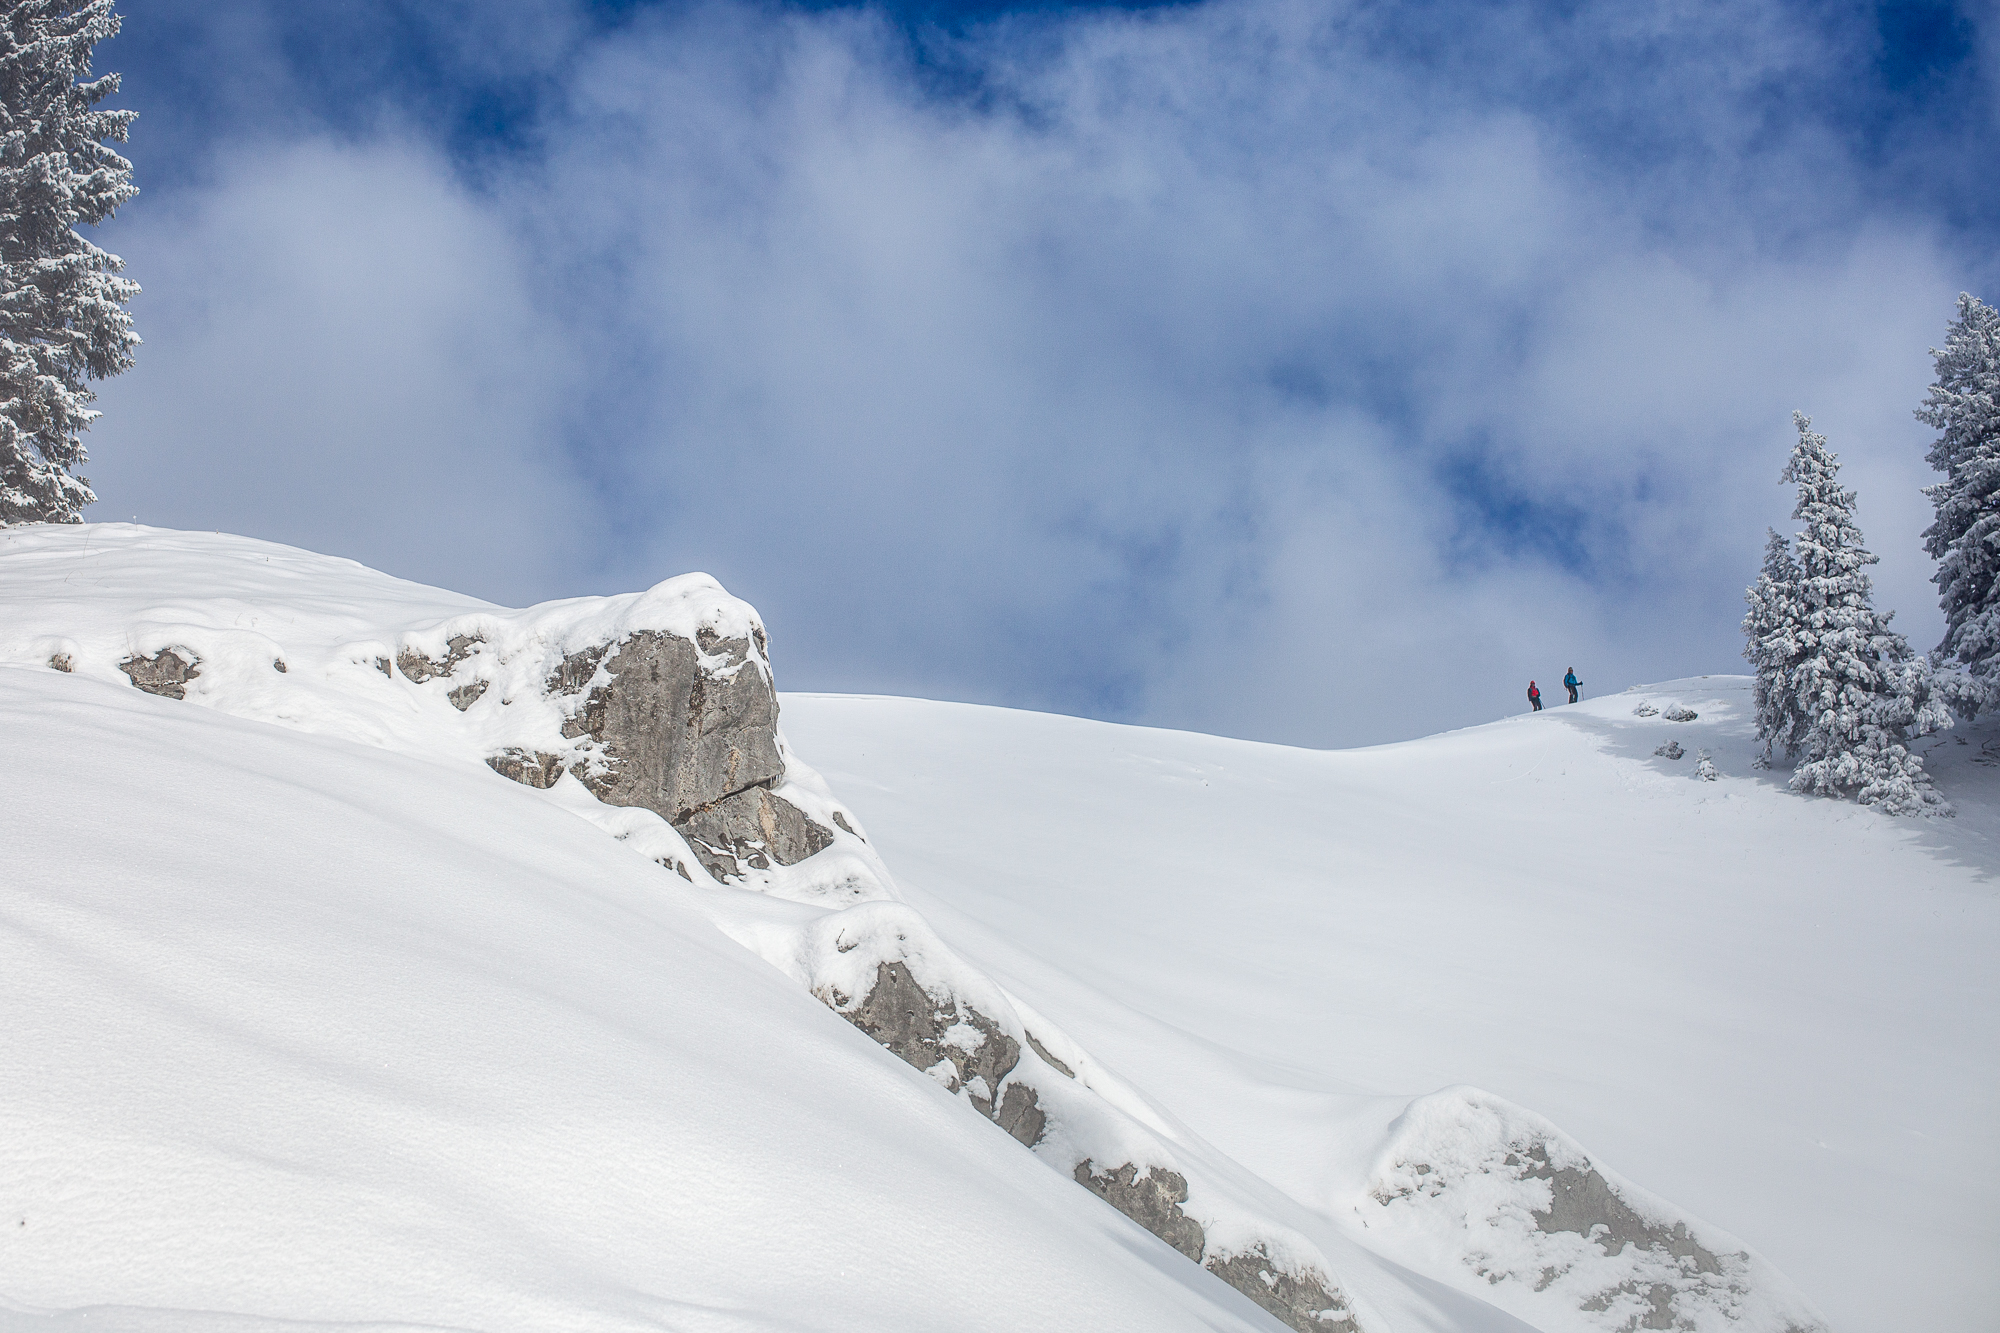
(1534, 696)
(1572, 683)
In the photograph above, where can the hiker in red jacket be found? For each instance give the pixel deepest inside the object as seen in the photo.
(1534, 696)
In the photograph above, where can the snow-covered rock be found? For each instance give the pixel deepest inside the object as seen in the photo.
(1560, 1241)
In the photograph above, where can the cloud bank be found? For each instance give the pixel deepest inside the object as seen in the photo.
(1292, 371)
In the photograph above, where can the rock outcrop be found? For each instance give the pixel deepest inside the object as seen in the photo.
(166, 673)
(752, 828)
(689, 730)
(1153, 1200)
(530, 768)
(880, 967)
(1547, 1232)
(954, 1043)
(1298, 1301)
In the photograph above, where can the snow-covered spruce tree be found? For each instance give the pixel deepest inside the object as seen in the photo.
(1964, 406)
(1863, 693)
(1775, 648)
(62, 300)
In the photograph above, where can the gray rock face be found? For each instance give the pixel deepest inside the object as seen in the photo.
(1659, 1296)
(678, 738)
(419, 668)
(1298, 1303)
(1021, 1114)
(1050, 1060)
(1153, 1201)
(532, 768)
(751, 828)
(904, 1017)
(697, 746)
(166, 673)
(1581, 1201)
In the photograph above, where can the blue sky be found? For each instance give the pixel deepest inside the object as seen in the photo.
(1312, 372)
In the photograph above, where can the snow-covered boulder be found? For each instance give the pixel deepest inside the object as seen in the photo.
(688, 728)
(661, 700)
(1556, 1239)
(665, 702)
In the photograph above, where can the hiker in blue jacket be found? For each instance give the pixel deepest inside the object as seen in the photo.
(1570, 680)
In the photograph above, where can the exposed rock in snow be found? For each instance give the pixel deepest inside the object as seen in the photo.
(1671, 750)
(1153, 1200)
(881, 967)
(1645, 710)
(686, 728)
(165, 673)
(1297, 1302)
(530, 768)
(680, 725)
(418, 668)
(1550, 1231)
(956, 1044)
(751, 828)
(1680, 713)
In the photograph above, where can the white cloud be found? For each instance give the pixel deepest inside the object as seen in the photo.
(341, 353)
(1147, 379)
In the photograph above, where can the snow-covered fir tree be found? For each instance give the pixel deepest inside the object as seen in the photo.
(1775, 648)
(1964, 406)
(1865, 696)
(62, 300)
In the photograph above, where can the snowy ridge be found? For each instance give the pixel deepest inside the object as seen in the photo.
(278, 635)
(1468, 1190)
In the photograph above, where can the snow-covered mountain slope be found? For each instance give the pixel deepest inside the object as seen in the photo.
(1781, 1013)
(324, 1018)
(303, 1027)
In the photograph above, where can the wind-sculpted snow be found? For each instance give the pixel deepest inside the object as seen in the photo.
(1558, 1240)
